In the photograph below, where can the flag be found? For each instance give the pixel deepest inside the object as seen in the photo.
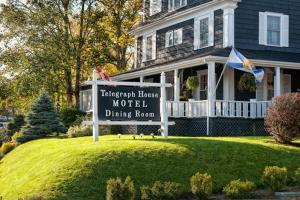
(237, 61)
(101, 75)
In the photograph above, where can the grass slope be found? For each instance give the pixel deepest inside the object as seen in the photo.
(78, 168)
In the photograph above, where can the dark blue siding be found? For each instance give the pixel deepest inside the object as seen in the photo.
(247, 23)
(186, 49)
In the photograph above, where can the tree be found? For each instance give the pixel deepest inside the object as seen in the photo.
(41, 120)
(15, 125)
(120, 18)
(58, 42)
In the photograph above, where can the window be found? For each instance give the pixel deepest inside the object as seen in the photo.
(204, 31)
(273, 29)
(203, 87)
(155, 7)
(149, 47)
(174, 37)
(175, 4)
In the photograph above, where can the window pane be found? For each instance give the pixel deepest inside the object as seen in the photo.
(170, 39)
(177, 3)
(149, 48)
(204, 32)
(273, 35)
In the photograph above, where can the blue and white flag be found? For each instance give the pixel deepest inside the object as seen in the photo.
(237, 61)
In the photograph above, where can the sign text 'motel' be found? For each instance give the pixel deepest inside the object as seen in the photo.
(129, 103)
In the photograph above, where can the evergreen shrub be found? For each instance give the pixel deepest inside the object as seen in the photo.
(238, 189)
(118, 190)
(201, 185)
(41, 120)
(161, 191)
(275, 178)
(6, 148)
(70, 115)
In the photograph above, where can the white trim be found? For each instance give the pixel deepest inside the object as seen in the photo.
(184, 15)
(126, 123)
(200, 61)
(141, 84)
(228, 27)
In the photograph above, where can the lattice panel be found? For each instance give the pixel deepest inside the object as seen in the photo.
(197, 127)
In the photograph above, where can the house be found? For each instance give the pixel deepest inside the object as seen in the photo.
(186, 38)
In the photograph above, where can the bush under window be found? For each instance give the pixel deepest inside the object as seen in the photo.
(283, 118)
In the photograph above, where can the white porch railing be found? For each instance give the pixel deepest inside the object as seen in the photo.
(194, 109)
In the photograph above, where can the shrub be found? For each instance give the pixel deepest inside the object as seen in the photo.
(15, 125)
(115, 129)
(275, 178)
(80, 131)
(297, 175)
(283, 118)
(41, 120)
(70, 115)
(161, 191)
(7, 147)
(201, 185)
(238, 189)
(118, 190)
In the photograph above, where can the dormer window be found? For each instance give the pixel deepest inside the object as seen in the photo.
(155, 7)
(176, 4)
(174, 37)
(273, 29)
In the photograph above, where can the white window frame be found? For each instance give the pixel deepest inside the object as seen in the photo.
(197, 31)
(153, 35)
(171, 5)
(155, 9)
(172, 33)
(263, 29)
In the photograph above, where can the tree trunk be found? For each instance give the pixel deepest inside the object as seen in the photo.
(67, 71)
(78, 56)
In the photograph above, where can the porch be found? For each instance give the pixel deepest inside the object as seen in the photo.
(226, 100)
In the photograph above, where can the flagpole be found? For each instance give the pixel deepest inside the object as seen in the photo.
(217, 85)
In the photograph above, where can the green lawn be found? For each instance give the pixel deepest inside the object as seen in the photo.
(79, 168)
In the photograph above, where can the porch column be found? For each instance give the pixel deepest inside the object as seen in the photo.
(176, 86)
(277, 82)
(211, 93)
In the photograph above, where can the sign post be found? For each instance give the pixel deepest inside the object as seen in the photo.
(163, 110)
(128, 103)
(95, 107)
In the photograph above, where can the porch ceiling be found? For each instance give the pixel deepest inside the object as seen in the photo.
(259, 58)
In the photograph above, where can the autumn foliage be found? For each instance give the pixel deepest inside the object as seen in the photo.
(283, 118)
